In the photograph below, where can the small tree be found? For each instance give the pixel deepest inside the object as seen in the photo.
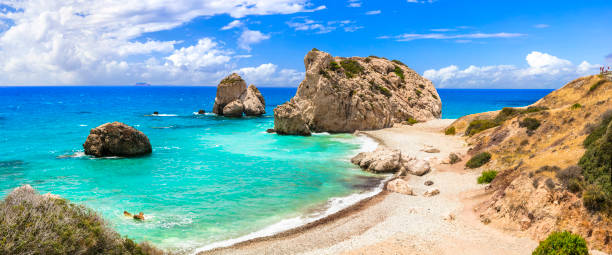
(562, 243)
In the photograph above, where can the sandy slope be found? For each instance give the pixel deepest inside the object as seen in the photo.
(392, 223)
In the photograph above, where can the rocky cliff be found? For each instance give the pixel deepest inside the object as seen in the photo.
(234, 98)
(347, 94)
(554, 161)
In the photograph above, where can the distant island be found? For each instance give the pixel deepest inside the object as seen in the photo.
(142, 84)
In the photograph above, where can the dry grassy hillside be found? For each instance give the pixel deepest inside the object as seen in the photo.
(543, 185)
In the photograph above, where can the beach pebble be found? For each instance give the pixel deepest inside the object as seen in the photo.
(431, 192)
(400, 186)
(428, 183)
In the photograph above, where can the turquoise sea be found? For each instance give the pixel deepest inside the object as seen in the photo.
(209, 178)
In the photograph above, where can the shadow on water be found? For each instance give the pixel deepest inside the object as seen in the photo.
(12, 164)
(365, 182)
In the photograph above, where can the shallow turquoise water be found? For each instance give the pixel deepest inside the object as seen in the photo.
(209, 178)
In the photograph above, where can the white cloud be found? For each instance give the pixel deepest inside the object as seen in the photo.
(609, 58)
(354, 3)
(541, 26)
(543, 71)
(99, 42)
(441, 36)
(306, 24)
(374, 12)
(420, 1)
(249, 37)
(442, 29)
(267, 75)
(233, 24)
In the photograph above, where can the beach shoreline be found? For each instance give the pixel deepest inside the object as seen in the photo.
(400, 224)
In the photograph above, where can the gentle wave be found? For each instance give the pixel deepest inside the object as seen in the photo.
(333, 205)
(161, 115)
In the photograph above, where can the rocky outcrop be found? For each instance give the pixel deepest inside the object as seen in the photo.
(347, 94)
(400, 186)
(254, 103)
(234, 98)
(383, 160)
(116, 139)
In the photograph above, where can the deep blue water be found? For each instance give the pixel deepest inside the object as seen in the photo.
(209, 178)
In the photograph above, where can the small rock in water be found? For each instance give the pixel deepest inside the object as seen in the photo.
(431, 192)
(428, 183)
(127, 214)
(270, 130)
(139, 216)
(155, 113)
(201, 112)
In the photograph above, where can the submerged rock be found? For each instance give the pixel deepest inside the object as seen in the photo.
(116, 139)
(201, 112)
(347, 94)
(234, 98)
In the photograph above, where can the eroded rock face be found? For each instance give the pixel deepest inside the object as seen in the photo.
(347, 94)
(231, 88)
(234, 98)
(254, 103)
(116, 139)
(233, 109)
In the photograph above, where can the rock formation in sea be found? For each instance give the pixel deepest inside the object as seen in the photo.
(234, 98)
(116, 139)
(346, 94)
(554, 159)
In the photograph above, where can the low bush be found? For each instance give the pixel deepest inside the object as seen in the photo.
(351, 67)
(411, 121)
(596, 164)
(507, 113)
(487, 176)
(478, 160)
(530, 123)
(333, 65)
(531, 109)
(453, 158)
(477, 126)
(576, 106)
(450, 131)
(399, 72)
(570, 177)
(398, 62)
(31, 223)
(596, 85)
(565, 242)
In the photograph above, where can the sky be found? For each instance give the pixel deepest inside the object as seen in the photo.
(456, 44)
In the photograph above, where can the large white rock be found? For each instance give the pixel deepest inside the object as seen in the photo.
(400, 186)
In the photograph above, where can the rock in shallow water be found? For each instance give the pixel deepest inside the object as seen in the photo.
(234, 98)
(116, 139)
(233, 109)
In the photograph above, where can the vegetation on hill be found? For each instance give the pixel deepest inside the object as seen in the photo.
(31, 223)
(564, 243)
(487, 176)
(478, 125)
(351, 67)
(478, 160)
(596, 166)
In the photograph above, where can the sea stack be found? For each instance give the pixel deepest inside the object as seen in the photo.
(341, 95)
(116, 139)
(234, 98)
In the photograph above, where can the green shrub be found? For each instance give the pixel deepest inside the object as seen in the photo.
(368, 60)
(562, 243)
(530, 123)
(531, 109)
(399, 72)
(596, 166)
(478, 160)
(411, 121)
(418, 92)
(596, 85)
(487, 176)
(450, 131)
(351, 67)
(507, 113)
(453, 158)
(477, 126)
(333, 65)
(34, 224)
(421, 86)
(314, 49)
(398, 62)
(576, 106)
(599, 130)
(382, 89)
(570, 177)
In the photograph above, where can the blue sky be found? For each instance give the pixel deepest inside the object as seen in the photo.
(456, 44)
